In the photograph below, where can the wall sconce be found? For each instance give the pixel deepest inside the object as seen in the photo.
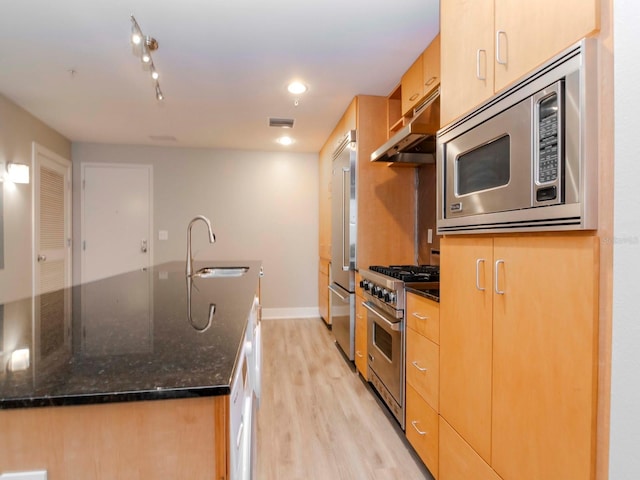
(19, 360)
(15, 173)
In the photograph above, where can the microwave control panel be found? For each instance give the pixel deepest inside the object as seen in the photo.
(548, 134)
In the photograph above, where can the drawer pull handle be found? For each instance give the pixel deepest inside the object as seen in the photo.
(415, 364)
(430, 81)
(479, 75)
(497, 288)
(420, 432)
(420, 317)
(478, 262)
(500, 34)
(413, 97)
(359, 354)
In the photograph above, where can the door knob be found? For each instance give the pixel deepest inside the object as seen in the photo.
(42, 258)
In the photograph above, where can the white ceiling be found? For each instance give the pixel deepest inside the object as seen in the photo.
(224, 66)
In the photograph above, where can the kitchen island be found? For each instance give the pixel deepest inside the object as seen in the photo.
(84, 371)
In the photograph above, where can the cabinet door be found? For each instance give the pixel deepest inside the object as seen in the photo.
(431, 67)
(361, 338)
(466, 304)
(412, 86)
(466, 35)
(458, 461)
(544, 361)
(529, 33)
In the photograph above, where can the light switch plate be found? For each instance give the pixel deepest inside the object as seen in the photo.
(35, 475)
(430, 235)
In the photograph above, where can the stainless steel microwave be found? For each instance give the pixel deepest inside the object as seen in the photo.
(525, 160)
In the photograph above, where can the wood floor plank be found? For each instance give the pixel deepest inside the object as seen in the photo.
(317, 419)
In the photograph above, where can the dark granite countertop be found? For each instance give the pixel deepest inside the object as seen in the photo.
(430, 293)
(125, 338)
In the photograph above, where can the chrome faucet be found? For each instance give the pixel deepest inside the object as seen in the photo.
(212, 239)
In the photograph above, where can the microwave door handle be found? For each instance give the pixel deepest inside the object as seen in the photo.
(391, 325)
(345, 219)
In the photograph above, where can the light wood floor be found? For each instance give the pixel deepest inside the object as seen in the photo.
(317, 419)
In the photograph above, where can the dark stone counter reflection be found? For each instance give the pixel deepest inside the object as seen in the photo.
(126, 338)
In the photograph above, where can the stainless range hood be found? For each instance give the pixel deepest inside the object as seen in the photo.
(415, 143)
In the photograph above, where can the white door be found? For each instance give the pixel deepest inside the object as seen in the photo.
(116, 219)
(52, 221)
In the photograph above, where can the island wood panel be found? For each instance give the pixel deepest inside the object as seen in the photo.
(458, 461)
(184, 438)
(536, 31)
(466, 338)
(545, 357)
(386, 196)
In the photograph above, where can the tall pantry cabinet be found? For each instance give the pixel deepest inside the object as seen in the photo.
(518, 354)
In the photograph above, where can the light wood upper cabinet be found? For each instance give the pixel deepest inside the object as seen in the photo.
(412, 86)
(431, 67)
(529, 33)
(466, 35)
(466, 338)
(518, 351)
(489, 48)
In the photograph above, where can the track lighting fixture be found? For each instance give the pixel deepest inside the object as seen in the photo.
(143, 46)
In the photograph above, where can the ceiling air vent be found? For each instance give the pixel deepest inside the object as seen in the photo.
(281, 122)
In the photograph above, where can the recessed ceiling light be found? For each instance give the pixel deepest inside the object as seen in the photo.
(285, 141)
(297, 88)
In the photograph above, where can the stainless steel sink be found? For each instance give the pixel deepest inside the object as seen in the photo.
(221, 272)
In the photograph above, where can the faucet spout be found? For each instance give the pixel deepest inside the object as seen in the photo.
(212, 239)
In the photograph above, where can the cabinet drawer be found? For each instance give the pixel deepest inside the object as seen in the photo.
(458, 460)
(422, 430)
(423, 315)
(423, 367)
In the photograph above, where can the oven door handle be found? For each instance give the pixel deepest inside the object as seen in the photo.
(393, 326)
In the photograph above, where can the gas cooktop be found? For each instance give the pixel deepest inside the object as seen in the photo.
(410, 273)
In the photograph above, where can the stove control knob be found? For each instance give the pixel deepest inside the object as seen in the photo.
(362, 283)
(373, 289)
(387, 297)
(392, 297)
(381, 292)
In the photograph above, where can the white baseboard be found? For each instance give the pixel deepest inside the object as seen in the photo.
(301, 312)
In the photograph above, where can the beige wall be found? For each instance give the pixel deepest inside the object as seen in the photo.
(262, 205)
(18, 131)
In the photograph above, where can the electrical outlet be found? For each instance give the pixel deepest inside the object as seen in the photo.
(429, 235)
(35, 475)
(163, 235)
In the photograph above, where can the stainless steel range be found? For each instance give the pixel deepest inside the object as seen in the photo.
(384, 291)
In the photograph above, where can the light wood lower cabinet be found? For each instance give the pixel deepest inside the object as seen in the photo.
(422, 379)
(422, 429)
(518, 352)
(458, 461)
(361, 338)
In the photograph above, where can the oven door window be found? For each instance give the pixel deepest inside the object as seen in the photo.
(484, 168)
(383, 340)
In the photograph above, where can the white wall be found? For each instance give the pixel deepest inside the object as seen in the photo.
(262, 205)
(625, 376)
(18, 130)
